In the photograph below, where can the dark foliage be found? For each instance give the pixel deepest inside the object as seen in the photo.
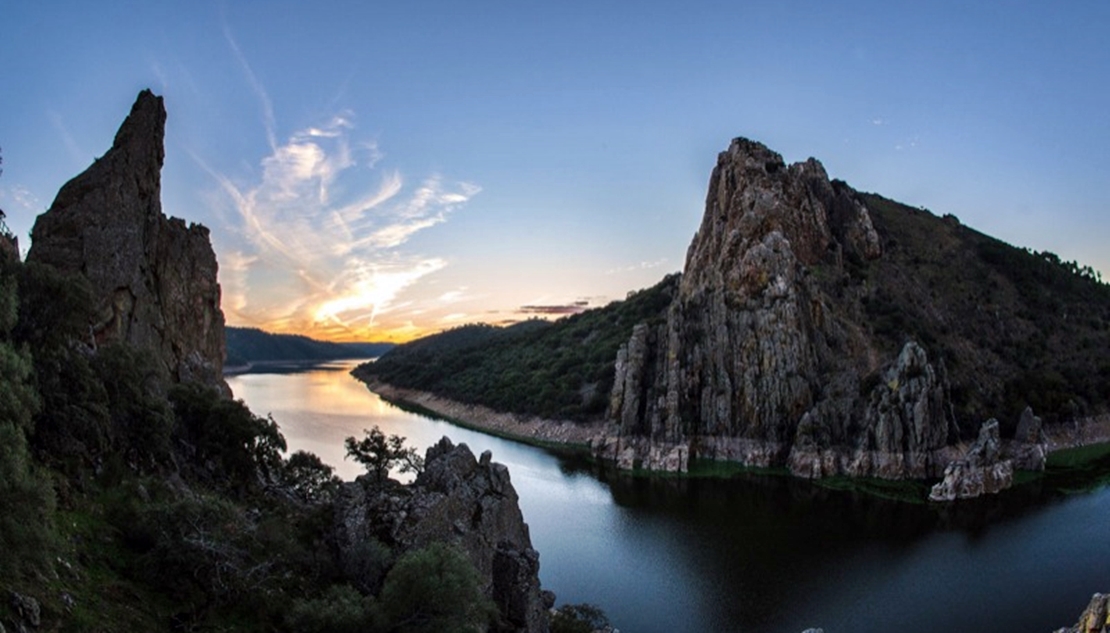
(1013, 327)
(222, 440)
(309, 478)
(248, 345)
(562, 369)
(579, 618)
(379, 454)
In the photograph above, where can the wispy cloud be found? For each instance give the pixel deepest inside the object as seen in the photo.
(79, 157)
(268, 118)
(555, 310)
(318, 246)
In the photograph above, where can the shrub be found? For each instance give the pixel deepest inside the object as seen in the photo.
(232, 444)
(434, 590)
(579, 618)
(309, 478)
(340, 610)
(26, 522)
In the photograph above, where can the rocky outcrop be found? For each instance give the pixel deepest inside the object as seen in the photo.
(155, 277)
(457, 499)
(758, 360)
(980, 472)
(989, 464)
(1095, 618)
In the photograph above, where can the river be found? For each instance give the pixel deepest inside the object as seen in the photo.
(755, 553)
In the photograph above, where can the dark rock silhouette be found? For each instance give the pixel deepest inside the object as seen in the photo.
(155, 277)
(456, 499)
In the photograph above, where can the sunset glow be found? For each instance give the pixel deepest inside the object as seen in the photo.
(383, 172)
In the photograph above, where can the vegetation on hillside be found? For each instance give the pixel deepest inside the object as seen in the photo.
(1013, 327)
(251, 345)
(131, 504)
(562, 369)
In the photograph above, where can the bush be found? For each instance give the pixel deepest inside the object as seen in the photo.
(141, 418)
(340, 610)
(222, 439)
(26, 522)
(434, 590)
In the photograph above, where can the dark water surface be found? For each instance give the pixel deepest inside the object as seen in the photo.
(752, 553)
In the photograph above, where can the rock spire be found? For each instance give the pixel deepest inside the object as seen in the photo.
(155, 277)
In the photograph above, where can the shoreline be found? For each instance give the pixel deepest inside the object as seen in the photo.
(529, 429)
(580, 437)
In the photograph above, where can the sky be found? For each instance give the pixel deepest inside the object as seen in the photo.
(383, 170)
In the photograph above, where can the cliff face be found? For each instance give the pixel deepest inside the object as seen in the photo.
(761, 359)
(155, 277)
(456, 499)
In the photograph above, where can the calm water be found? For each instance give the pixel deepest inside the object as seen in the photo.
(753, 554)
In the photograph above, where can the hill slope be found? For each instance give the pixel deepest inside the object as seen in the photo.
(250, 345)
(560, 370)
(814, 327)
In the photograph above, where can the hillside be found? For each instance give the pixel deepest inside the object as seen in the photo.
(1014, 327)
(561, 369)
(251, 345)
(814, 327)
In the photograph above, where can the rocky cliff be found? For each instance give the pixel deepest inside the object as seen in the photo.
(1095, 618)
(456, 499)
(810, 333)
(154, 277)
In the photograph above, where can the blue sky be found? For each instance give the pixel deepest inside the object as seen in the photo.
(385, 169)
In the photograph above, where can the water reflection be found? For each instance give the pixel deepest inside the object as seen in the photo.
(754, 553)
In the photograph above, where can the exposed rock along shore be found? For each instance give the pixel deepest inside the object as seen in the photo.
(530, 429)
(990, 460)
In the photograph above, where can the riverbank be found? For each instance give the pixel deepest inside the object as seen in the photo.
(1078, 441)
(533, 430)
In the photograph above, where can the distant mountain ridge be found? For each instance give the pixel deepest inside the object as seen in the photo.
(252, 345)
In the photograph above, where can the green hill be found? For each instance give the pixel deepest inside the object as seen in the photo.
(251, 345)
(1014, 328)
(561, 369)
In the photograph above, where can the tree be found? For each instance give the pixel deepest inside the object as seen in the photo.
(379, 454)
(309, 477)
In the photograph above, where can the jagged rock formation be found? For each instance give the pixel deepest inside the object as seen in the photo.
(457, 499)
(1095, 618)
(757, 361)
(155, 277)
(989, 464)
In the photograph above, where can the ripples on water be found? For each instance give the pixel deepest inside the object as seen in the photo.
(752, 553)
